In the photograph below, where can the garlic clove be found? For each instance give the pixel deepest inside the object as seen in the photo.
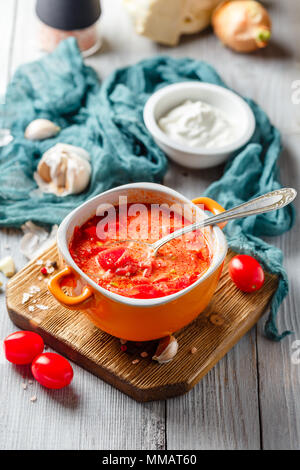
(44, 171)
(41, 129)
(166, 350)
(7, 266)
(70, 149)
(61, 172)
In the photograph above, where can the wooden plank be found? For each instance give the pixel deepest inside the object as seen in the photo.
(9, 238)
(228, 317)
(25, 40)
(227, 397)
(221, 412)
(119, 50)
(7, 24)
(266, 76)
(279, 378)
(90, 414)
(87, 415)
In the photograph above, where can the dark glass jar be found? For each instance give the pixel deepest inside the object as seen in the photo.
(60, 19)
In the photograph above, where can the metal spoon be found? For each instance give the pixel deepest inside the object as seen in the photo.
(266, 203)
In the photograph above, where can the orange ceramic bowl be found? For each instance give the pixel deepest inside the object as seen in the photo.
(129, 318)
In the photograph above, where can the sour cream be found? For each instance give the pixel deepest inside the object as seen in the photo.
(198, 124)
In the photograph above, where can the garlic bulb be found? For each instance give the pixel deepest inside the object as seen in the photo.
(64, 169)
(242, 25)
(41, 129)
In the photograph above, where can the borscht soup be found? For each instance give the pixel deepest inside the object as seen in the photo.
(126, 268)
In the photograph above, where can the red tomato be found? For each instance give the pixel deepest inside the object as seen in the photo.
(52, 370)
(22, 347)
(108, 258)
(246, 273)
(146, 291)
(118, 260)
(91, 231)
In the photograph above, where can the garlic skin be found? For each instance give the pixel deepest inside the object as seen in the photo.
(242, 25)
(36, 239)
(64, 169)
(166, 350)
(41, 129)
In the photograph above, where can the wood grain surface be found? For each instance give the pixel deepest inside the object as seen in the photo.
(249, 400)
(230, 314)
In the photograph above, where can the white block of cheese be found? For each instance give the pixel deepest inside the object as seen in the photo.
(165, 20)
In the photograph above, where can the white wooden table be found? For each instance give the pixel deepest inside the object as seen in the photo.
(250, 400)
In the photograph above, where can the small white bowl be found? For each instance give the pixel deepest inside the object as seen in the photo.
(169, 97)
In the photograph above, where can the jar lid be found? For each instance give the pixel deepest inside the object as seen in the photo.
(68, 14)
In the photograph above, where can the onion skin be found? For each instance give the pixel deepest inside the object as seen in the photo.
(242, 25)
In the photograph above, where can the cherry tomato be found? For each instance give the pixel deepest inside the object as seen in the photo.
(22, 347)
(52, 370)
(246, 273)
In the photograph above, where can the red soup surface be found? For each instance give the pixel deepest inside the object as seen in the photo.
(126, 268)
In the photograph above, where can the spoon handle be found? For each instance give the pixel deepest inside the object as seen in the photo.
(266, 203)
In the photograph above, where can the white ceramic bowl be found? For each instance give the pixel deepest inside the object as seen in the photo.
(169, 97)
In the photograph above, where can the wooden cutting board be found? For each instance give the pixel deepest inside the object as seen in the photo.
(228, 317)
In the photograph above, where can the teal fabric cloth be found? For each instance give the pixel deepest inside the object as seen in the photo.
(249, 174)
(107, 121)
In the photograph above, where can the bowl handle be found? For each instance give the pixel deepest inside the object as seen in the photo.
(210, 205)
(55, 289)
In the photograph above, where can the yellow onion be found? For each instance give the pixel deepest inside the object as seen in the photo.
(242, 25)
